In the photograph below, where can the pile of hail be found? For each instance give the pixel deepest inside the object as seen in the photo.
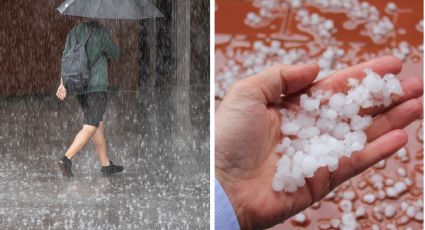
(328, 127)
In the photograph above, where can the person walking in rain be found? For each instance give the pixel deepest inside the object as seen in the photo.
(99, 49)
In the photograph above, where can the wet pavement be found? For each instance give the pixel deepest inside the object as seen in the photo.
(165, 183)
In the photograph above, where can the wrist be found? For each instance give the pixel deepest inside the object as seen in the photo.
(231, 190)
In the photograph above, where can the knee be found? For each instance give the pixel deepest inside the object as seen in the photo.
(89, 129)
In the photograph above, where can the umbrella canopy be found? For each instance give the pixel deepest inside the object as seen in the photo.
(110, 9)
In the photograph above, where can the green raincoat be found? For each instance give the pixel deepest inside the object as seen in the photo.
(100, 48)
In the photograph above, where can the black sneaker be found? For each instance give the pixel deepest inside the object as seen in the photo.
(65, 166)
(111, 169)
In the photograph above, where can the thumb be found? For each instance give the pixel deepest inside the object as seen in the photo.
(269, 85)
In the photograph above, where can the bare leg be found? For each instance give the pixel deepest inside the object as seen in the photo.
(80, 140)
(100, 144)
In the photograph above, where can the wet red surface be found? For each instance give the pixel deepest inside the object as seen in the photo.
(235, 40)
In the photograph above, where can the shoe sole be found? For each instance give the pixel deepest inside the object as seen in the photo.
(110, 174)
(63, 169)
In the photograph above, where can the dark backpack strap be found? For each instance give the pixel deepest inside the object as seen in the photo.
(74, 41)
(87, 37)
(72, 35)
(84, 41)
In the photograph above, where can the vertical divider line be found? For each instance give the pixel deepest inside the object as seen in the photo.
(212, 114)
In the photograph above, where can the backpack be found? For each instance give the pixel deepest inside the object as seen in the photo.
(75, 68)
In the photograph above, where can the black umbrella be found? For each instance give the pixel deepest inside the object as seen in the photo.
(110, 9)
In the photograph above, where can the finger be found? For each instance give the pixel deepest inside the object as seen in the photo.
(319, 184)
(270, 84)
(373, 152)
(412, 88)
(396, 118)
(337, 81)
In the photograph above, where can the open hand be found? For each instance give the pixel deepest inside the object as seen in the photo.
(247, 129)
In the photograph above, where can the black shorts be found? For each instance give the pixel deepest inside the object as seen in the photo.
(93, 106)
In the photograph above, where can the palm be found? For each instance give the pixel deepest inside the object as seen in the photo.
(260, 133)
(246, 134)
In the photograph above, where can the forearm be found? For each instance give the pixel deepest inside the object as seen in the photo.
(61, 80)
